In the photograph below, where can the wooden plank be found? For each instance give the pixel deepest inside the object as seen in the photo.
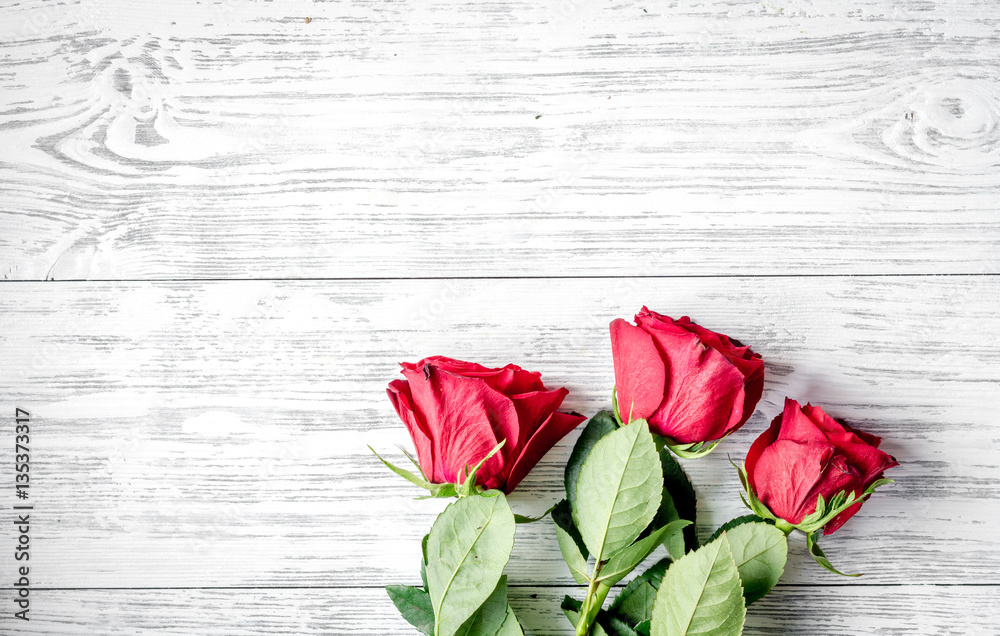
(234, 140)
(215, 433)
(789, 611)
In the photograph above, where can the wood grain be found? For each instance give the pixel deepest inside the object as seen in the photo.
(199, 443)
(904, 611)
(215, 434)
(237, 140)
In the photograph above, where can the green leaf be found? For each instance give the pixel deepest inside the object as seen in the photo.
(570, 543)
(635, 602)
(738, 521)
(563, 517)
(510, 625)
(491, 616)
(423, 561)
(523, 519)
(618, 491)
(760, 551)
(624, 561)
(819, 557)
(571, 608)
(701, 594)
(415, 606)
(666, 514)
(682, 495)
(467, 549)
(615, 626)
(598, 426)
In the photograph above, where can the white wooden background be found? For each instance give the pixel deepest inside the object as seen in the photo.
(224, 222)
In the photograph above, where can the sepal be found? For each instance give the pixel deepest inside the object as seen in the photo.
(695, 450)
(756, 505)
(436, 490)
(468, 487)
(819, 557)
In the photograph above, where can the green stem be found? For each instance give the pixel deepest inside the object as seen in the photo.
(596, 594)
(784, 526)
(582, 622)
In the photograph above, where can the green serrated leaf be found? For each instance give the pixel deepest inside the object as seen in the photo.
(635, 602)
(760, 551)
(598, 426)
(667, 513)
(563, 517)
(701, 594)
(618, 491)
(682, 494)
(490, 616)
(467, 549)
(819, 557)
(415, 606)
(423, 574)
(570, 543)
(614, 626)
(624, 561)
(510, 627)
(738, 521)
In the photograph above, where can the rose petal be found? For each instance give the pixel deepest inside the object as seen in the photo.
(533, 409)
(799, 427)
(461, 415)
(785, 475)
(868, 461)
(640, 372)
(838, 476)
(402, 400)
(705, 394)
(757, 448)
(548, 434)
(508, 380)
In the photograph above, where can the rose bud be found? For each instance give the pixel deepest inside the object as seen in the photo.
(691, 384)
(458, 412)
(811, 471)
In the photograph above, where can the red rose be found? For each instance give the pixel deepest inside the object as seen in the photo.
(691, 384)
(807, 453)
(457, 412)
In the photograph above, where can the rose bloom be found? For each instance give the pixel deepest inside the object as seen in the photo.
(691, 384)
(457, 412)
(807, 453)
